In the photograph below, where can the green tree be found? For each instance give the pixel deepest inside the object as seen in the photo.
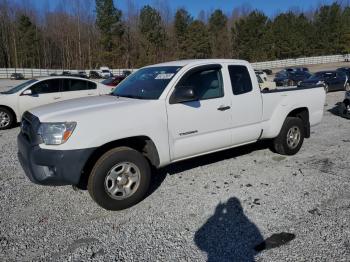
(27, 41)
(182, 21)
(291, 35)
(109, 23)
(198, 40)
(329, 29)
(249, 35)
(219, 36)
(153, 35)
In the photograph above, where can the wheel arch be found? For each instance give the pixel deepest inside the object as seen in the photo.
(303, 114)
(142, 144)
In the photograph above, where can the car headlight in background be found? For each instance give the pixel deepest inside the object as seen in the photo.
(320, 83)
(56, 133)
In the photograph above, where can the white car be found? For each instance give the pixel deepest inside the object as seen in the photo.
(105, 72)
(265, 85)
(262, 74)
(34, 93)
(159, 115)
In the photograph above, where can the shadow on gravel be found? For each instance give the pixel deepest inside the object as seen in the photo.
(182, 166)
(229, 235)
(337, 111)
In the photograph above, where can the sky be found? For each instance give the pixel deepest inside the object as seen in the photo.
(269, 7)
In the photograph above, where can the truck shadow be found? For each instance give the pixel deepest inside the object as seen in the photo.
(229, 235)
(173, 169)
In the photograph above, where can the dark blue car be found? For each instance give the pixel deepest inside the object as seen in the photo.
(290, 78)
(331, 80)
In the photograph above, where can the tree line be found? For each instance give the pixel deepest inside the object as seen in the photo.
(90, 33)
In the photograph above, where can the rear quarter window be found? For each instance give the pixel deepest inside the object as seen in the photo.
(240, 79)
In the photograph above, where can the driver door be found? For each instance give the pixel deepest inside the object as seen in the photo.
(200, 126)
(43, 92)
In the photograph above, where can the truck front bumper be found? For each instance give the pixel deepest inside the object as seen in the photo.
(51, 167)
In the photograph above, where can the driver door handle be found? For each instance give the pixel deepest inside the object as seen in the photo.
(56, 98)
(224, 108)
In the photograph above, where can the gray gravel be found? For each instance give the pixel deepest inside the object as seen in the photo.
(217, 207)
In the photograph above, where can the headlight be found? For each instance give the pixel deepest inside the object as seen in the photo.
(56, 133)
(320, 83)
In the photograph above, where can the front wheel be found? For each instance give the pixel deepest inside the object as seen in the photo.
(291, 137)
(7, 119)
(119, 179)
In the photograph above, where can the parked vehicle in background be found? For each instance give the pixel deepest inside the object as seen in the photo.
(34, 93)
(347, 57)
(17, 76)
(265, 85)
(267, 71)
(346, 70)
(66, 73)
(290, 78)
(105, 72)
(115, 80)
(159, 115)
(330, 80)
(344, 107)
(93, 74)
(297, 69)
(262, 74)
(81, 74)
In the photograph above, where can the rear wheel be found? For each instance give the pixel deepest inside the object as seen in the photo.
(119, 179)
(291, 137)
(7, 118)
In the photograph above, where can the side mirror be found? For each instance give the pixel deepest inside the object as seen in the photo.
(27, 92)
(183, 94)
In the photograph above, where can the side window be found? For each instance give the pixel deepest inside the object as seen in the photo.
(91, 85)
(207, 84)
(46, 87)
(240, 79)
(77, 85)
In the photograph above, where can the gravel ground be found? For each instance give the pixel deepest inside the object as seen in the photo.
(216, 208)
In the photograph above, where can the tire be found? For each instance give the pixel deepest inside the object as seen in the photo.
(282, 144)
(109, 180)
(7, 118)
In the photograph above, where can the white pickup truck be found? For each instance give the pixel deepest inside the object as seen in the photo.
(161, 114)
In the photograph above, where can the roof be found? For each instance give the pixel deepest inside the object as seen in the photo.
(183, 63)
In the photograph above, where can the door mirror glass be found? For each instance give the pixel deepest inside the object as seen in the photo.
(27, 92)
(184, 94)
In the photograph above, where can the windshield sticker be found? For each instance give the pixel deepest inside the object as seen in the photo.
(164, 76)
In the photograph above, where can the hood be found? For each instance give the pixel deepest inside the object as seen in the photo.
(71, 109)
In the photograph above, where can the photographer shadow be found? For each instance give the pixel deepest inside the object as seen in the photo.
(229, 235)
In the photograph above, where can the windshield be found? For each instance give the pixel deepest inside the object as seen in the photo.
(147, 83)
(105, 71)
(19, 87)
